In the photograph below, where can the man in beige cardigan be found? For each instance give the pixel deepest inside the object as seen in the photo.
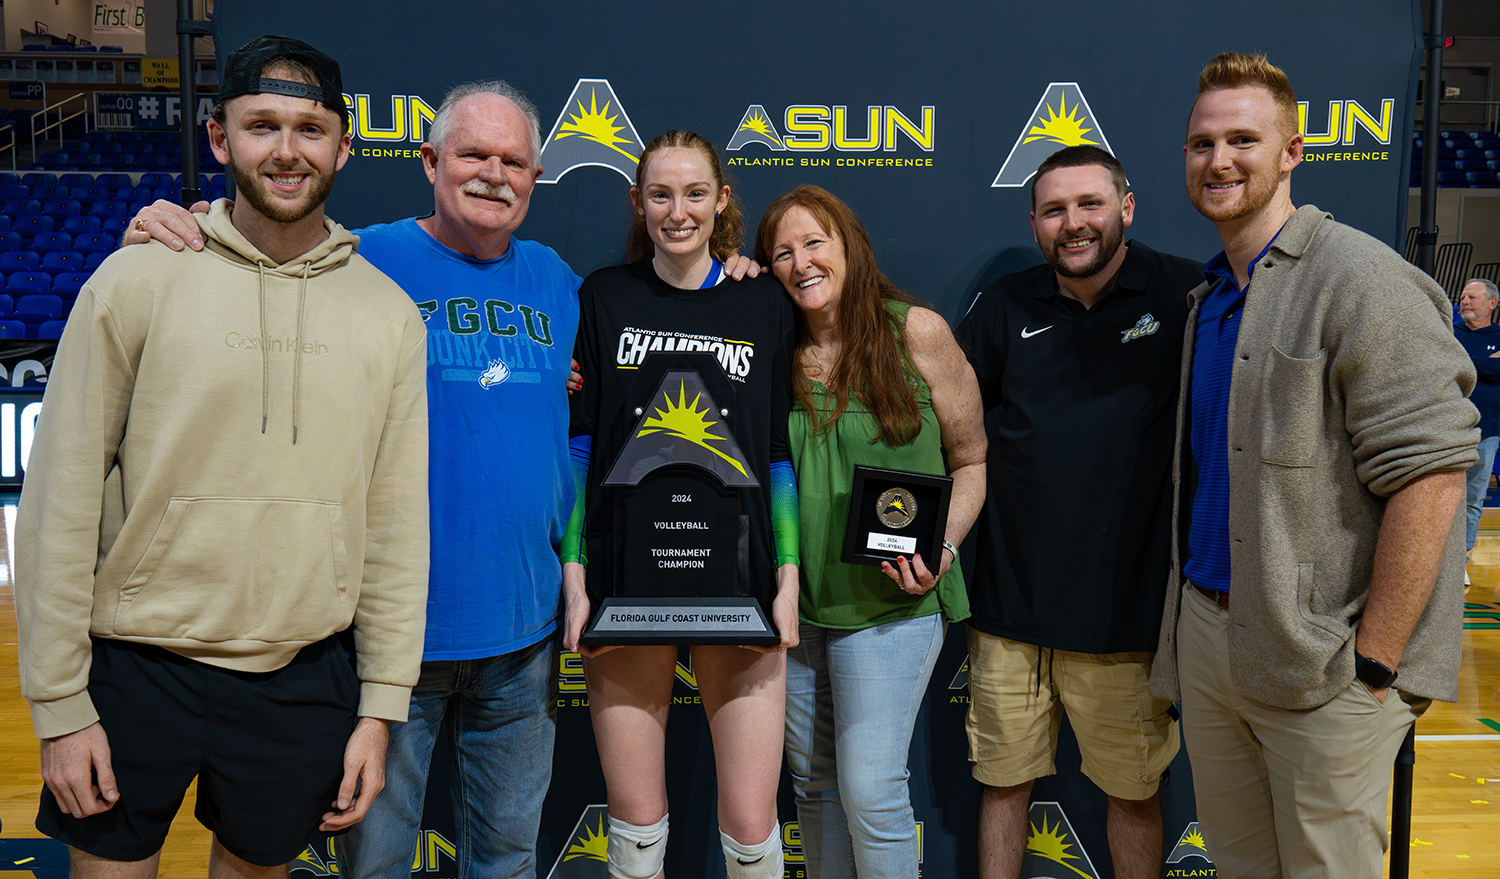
(1322, 440)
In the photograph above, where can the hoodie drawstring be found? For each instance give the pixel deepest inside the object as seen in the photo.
(297, 362)
(265, 352)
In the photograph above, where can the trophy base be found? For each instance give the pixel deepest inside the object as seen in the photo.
(638, 621)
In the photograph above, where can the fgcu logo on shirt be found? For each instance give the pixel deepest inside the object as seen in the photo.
(592, 129)
(1062, 118)
(1143, 327)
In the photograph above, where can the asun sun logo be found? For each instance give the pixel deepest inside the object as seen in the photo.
(820, 127)
(592, 129)
(1050, 845)
(1062, 118)
(1190, 845)
(586, 854)
(687, 421)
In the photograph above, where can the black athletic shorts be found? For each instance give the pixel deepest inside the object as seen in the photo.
(267, 749)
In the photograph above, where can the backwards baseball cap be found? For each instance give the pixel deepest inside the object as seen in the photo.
(241, 74)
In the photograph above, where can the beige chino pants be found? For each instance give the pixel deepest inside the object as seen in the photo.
(1284, 793)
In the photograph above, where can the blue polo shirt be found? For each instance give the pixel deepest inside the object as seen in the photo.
(1218, 330)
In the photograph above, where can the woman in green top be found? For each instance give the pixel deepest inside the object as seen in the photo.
(879, 381)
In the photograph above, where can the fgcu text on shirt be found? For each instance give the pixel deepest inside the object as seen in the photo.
(500, 338)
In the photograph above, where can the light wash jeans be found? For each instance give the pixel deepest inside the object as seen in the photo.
(503, 726)
(1479, 482)
(851, 702)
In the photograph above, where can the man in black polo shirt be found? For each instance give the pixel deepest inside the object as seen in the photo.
(1078, 362)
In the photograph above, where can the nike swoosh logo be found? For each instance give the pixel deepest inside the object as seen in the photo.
(745, 863)
(1026, 335)
(648, 844)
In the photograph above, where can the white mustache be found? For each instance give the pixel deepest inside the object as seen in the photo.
(475, 186)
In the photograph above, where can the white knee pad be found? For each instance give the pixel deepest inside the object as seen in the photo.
(761, 861)
(634, 851)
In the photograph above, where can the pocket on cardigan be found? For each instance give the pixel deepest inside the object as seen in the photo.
(1291, 408)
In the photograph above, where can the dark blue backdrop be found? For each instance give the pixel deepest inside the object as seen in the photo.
(912, 113)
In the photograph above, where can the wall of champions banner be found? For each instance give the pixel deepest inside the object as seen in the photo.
(928, 120)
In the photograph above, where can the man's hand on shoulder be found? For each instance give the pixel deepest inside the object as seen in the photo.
(364, 774)
(168, 223)
(76, 768)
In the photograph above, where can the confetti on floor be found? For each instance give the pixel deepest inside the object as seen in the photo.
(1415, 841)
(1456, 775)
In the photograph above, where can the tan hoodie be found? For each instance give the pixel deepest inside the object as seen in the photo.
(231, 464)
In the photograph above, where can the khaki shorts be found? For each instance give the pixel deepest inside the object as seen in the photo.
(1017, 693)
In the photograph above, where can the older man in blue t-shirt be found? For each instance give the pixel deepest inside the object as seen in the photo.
(1480, 336)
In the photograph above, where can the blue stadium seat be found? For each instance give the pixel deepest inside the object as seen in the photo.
(122, 161)
(1482, 179)
(12, 329)
(113, 208)
(67, 284)
(9, 191)
(214, 193)
(33, 224)
(166, 193)
(114, 227)
(20, 207)
(79, 225)
(51, 329)
(11, 241)
(94, 193)
(92, 261)
(19, 261)
(134, 193)
(4, 223)
(36, 177)
(62, 208)
(51, 242)
(9, 177)
(45, 191)
(114, 180)
(38, 307)
(23, 284)
(91, 160)
(60, 261)
(55, 160)
(154, 179)
(7, 305)
(152, 160)
(75, 178)
(96, 242)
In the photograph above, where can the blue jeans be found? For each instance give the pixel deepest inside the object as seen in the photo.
(1479, 482)
(503, 726)
(851, 702)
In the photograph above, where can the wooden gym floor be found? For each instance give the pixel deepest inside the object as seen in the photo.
(1455, 805)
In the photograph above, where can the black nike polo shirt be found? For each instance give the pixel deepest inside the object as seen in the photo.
(1073, 540)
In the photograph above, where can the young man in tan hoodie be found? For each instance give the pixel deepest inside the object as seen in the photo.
(230, 469)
